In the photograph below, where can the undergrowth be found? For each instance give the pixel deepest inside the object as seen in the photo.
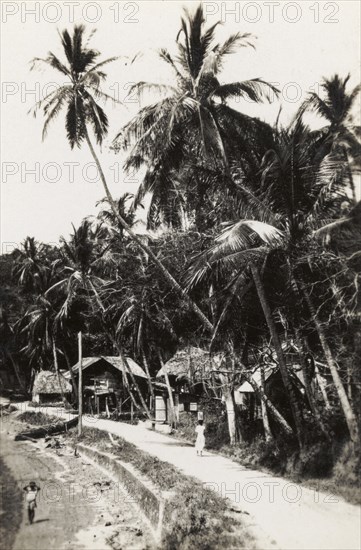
(36, 418)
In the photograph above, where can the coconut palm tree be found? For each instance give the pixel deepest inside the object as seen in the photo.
(8, 348)
(85, 76)
(29, 266)
(301, 190)
(336, 107)
(191, 125)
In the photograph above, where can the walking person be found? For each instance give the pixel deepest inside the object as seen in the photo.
(31, 493)
(200, 441)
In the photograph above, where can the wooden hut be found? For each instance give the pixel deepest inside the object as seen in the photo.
(49, 387)
(187, 371)
(107, 382)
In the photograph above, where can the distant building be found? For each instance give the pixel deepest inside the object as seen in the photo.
(49, 387)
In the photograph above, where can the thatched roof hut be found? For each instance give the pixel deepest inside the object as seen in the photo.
(191, 363)
(114, 361)
(47, 386)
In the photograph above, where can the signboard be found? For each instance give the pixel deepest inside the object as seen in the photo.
(200, 415)
(193, 407)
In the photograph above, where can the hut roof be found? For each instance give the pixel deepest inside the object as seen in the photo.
(47, 382)
(195, 359)
(116, 362)
(257, 378)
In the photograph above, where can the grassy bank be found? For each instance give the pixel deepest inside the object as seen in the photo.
(196, 517)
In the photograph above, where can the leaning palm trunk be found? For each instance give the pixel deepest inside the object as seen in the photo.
(265, 420)
(342, 395)
(308, 389)
(72, 376)
(278, 348)
(259, 391)
(134, 382)
(167, 275)
(322, 385)
(56, 366)
(120, 351)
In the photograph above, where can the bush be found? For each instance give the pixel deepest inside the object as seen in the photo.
(36, 418)
(347, 469)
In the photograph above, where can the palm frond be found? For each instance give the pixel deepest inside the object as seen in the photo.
(256, 89)
(230, 46)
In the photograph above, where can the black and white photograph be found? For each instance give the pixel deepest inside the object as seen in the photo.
(180, 275)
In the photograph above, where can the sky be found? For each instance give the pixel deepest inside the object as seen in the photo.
(45, 186)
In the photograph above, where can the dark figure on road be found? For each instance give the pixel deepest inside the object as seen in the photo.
(31, 493)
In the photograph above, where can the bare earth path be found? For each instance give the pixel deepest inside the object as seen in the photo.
(75, 503)
(282, 514)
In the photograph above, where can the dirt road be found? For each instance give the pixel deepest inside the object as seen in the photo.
(75, 504)
(281, 514)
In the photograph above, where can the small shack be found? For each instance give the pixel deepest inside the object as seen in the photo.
(187, 370)
(49, 387)
(107, 382)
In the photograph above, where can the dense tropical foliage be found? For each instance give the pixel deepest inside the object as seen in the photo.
(255, 241)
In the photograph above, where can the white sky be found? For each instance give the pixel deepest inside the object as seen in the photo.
(323, 39)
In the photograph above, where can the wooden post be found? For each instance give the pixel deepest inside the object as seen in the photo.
(131, 412)
(80, 384)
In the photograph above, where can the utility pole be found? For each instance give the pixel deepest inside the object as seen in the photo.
(80, 384)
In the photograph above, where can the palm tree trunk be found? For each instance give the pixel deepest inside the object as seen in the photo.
(308, 389)
(132, 398)
(170, 393)
(259, 391)
(134, 382)
(17, 373)
(150, 385)
(167, 275)
(120, 351)
(265, 420)
(322, 385)
(278, 348)
(72, 376)
(231, 415)
(56, 366)
(345, 404)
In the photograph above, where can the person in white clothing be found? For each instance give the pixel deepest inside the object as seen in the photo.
(200, 441)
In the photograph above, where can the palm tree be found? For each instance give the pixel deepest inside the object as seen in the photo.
(336, 107)
(187, 132)
(79, 96)
(299, 186)
(8, 347)
(29, 266)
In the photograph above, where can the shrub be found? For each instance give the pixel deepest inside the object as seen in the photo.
(36, 418)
